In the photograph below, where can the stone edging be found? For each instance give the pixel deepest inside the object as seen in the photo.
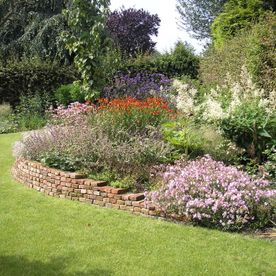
(75, 186)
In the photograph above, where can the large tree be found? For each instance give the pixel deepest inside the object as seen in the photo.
(132, 29)
(31, 28)
(197, 16)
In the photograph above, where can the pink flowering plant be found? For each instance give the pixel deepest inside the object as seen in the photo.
(73, 114)
(212, 194)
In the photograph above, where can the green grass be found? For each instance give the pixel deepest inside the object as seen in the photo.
(41, 235)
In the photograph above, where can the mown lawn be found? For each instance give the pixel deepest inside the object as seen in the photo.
(41, 235)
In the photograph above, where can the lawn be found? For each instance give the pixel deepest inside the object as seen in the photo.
(41, 235)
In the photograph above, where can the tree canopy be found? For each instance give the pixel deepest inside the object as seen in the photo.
(197, 16)
(32, 28)
(132, 29)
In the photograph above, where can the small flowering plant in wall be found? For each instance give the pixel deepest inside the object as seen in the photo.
(212, 194)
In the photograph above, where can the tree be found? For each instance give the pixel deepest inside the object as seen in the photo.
(197, 16)
(237, 15)
(88, 43)
(32, 28)
(132, 29)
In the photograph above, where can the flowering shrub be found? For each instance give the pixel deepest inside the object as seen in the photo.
(212, 194)
(139, 86)
(133, 114)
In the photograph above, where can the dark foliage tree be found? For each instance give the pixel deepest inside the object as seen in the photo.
(32, 28)
(197, 16)
(132, 29)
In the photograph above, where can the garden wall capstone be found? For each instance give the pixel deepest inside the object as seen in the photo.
(75, 186)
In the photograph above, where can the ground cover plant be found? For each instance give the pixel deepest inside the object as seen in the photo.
(41, 235)
(215, 195)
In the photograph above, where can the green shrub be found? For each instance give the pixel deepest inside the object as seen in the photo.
(27, 77)
(68, 93)
(7, 124)
(251, 127)
(31, 111)
(254, 48)
(182, 136)
(178, 62)
(236, 15)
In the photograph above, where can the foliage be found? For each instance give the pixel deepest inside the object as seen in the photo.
(253, 48)
(32, 28)
(69, 93)
(31, 76)
(183, 137)
(134, 115)
(139, 86)
(196, 16)
(179, 61)
(88, 43)
(212, 194)
(132, 30)
(251, 127)
(91, 149)
(270, 164)
(7, 125)
(236, 15)
(30, 112)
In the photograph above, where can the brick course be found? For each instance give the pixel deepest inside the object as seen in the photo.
(75, 186)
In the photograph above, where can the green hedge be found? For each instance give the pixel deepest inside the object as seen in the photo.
(178, 62)
(29, 77)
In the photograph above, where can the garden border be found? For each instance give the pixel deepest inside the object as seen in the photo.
(75, 186)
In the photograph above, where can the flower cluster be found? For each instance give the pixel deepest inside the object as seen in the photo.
(71, 115)
(140, 86)
(130, 113)
(185, 99)
(212, 194)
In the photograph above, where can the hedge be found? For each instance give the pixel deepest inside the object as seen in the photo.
(30, 77)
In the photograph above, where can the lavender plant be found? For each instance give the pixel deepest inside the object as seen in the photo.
(139, 86)
(212, 194)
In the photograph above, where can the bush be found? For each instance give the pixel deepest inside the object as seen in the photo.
(236, 15)
(178, 62)
(31, 111)
(212, 194)
(28, 77)
(251, 127)
(69, 93)
(253, 48)
(7, 124)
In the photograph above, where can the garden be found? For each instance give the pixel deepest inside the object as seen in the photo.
(84, 91)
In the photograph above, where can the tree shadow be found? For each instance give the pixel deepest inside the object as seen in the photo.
(21, 266)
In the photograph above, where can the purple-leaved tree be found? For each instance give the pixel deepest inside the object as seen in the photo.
(132, 29)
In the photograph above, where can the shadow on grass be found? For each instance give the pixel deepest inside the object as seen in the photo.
(21, 266)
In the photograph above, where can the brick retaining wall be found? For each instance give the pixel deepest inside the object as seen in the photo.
(75, 186)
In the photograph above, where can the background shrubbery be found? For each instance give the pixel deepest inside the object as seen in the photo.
(28, 77)
(253, 48)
